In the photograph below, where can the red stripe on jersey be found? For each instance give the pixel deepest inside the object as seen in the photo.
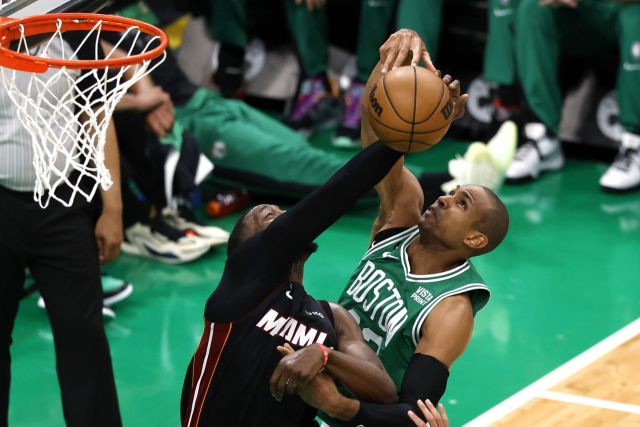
(205, 361)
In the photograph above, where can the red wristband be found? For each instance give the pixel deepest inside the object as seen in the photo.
(325, 353)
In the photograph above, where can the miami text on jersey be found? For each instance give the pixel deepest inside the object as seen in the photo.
(290, 329)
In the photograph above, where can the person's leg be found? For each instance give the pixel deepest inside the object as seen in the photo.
(542, 34)
(64, 263)
(375, 25)
(425, 17)
(628, 85)
(624, 173)
(499, 53)
(228, 22)
(253, 148)
(310, 33)
(13, 227)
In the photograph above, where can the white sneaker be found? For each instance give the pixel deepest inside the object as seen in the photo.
(485, 165)
(540, 153)
(624, 173)
(163, 243)
(214, 236)
(503, 145)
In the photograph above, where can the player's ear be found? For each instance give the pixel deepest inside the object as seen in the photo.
(476, 240)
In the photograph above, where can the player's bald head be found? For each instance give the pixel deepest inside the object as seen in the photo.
(493, 222)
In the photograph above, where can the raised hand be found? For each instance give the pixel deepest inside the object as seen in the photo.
(458, 100)
(395, 50)
(434, 419)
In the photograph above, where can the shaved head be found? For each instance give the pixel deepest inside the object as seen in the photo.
(494, 223)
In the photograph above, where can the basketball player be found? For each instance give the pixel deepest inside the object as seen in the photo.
(415, 292)
(260, 304)
(64, 248)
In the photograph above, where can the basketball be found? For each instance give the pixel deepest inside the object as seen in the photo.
(410, 109)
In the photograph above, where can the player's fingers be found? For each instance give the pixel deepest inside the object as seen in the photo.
(432, 414)
(403, 52)
(431, 421)
(454, 88)
(292, 384)
(460, 106)
(544, 2)
(282, 384)
(416, 419)
(447, 79)
(273, 382)
(443, 414)
(417, 48)
(439, 73)
(391, 56)
(100, 242)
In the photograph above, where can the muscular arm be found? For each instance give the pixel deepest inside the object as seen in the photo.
(261, 264)
(352, 363)
(446, 334)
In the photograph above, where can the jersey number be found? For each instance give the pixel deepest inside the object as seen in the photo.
(368, 334)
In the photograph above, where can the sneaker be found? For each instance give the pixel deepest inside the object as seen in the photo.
(107, 312)
(623, 175)
(185, 220)
(540, 153)
(482, 164)
(161, 242)
(315, 108)
(348, 132)
(114, 290)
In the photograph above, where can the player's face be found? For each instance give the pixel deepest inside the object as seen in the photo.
(261, 216)
(450, 219)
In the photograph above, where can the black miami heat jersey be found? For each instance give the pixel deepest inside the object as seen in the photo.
(227, 383)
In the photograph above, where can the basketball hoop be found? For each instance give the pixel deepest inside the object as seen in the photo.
(68, 130)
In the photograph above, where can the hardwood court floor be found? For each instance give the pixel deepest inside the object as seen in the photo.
(565, 278)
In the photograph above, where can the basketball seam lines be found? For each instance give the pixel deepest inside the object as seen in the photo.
(437, 105)
(384, 85)
(415, 101)
(404, 131)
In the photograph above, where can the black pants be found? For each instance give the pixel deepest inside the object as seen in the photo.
(58, 245)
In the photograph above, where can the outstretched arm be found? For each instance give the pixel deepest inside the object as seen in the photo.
(353, 363)
(446, 334)
(401, 197)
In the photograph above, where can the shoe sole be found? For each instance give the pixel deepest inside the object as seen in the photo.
(611, 190)
(552, 165)
(136, 250)
(119, 296)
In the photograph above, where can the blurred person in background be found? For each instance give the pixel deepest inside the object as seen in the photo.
(63, 247)
(318, 104)
(545, 29)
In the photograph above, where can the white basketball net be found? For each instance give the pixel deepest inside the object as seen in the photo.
(68, 130)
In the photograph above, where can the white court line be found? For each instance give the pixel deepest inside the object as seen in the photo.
(557, 375)
(588, 401)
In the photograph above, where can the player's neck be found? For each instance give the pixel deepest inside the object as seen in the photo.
(429, 257)
(297, 271)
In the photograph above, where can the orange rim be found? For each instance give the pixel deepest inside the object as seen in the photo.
(43, 24)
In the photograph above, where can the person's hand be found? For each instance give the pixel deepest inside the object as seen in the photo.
(149, 99)
(395, 50)
(160, 119)
(320, 392)
(434, 419)
(313, 4)
(559, 3)
(109, 236)
(458, 100)
(295, 370)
